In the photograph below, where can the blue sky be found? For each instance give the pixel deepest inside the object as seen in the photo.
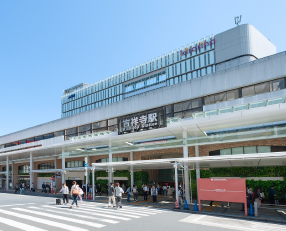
(49, 46)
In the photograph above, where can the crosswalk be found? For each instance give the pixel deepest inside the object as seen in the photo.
(48, 216)
(232, 224)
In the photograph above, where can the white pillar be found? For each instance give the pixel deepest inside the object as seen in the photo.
(63, 168)
(86, 160)
(56, 167)
(186, 167)
(93, 192)
(197, 164)
(31, 170)
(88, 171)
(110, 172)
(12, 176)
(131, 171)
(176, 182)
(7, 172)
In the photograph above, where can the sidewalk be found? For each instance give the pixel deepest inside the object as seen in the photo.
(265, 213)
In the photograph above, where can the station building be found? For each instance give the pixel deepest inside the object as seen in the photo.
(219, 96)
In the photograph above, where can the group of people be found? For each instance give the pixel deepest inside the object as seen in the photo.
(46, 187)
(21, 187)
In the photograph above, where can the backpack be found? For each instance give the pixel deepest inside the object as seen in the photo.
(134, 190)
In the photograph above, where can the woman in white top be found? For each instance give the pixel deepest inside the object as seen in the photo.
(118, 194)
(74, 193)
(65, 192)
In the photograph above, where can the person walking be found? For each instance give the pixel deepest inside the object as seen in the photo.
(129, 193)
(118, 193)
(16, 188)
(32, 188)
(169, 193)
(99, 190)
(154, 193)
(111, 195)
(272, 195)
(135, 193)
(165, 190)
(65, 192)
(146, 191)
(74, 194)
(123, 187)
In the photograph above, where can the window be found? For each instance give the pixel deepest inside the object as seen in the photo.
(112, 122)
(209, 100)
(187, 105)
(277, 85)
(46, 166)
(220, 97)
(59, 133)
(248, 91)
(250, 149)
(263, 149)
(99, 124)
(169, 109)
(23, 169)
(22, 141)
(30, 140)
(225, 151)
(247, 150)
(238, 150)
(262, 88)
(231, 95)
(114, 159)
(48, 136)
(178, 107)
(74, 164)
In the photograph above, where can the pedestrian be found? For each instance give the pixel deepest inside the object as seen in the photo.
(21, 189)
(154, 193)
(84, 190)
(272, 195)
(32, 188)
(65, 192)
(106, 189)
(135, 193)
(118, 193)
(123, 187)
(74, 194)
(99, 190)
(256, 196)
(169, 192)
(16, 188)
(180, 192)
(165, 190)
(146, 192)
(80, 192)
(129, 193)
(43, 187)
(111, 195)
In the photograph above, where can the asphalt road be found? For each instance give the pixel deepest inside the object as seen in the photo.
(36, 213)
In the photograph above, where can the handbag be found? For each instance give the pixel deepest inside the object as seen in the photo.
(75, 191)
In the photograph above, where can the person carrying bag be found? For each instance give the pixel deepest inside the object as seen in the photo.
(74, 194)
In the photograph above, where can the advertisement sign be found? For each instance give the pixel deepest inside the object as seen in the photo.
(142, 121)
(222, 189)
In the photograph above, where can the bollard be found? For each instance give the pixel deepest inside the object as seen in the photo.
(255, 209)
(186, 205)
(196, 206)
(251, 213)
(176, 205)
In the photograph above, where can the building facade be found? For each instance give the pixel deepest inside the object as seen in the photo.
(222, 95)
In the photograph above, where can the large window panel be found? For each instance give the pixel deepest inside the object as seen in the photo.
(250, 149)
(209, 100)
(263, 149)
(197, 103)
(178, 107)
(71, 131)
(238, 150)
(262, 88)
(169, 109)
(231, 95)
(202, 60)
(187, 105)
(211, 55)
(225, 151)
(99, 124)
(220, 97)
(187, 114)
(197, 64)
(248, 91)
(277, 85)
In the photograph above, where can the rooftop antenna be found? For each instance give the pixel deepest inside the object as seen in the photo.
(237, 20)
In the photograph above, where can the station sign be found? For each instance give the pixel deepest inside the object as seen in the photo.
(142, 121)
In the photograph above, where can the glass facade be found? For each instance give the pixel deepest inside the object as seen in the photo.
(246, 150)
(192, 61)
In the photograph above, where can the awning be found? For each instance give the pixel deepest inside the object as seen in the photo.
(241, 160)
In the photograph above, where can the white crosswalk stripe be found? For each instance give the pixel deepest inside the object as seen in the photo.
(42, 221)
(78, 221)
(88, 216)
(19, 225)
(72, 212)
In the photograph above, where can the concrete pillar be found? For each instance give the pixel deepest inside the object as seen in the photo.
(31, 170)
(7, 172)
(12, 176)
(198, 173)
(63, 167)
(176, 182)
(93, 189)
(131, 170)
(110, 172)
(186, 167)
(88, 171)
(56, 167)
